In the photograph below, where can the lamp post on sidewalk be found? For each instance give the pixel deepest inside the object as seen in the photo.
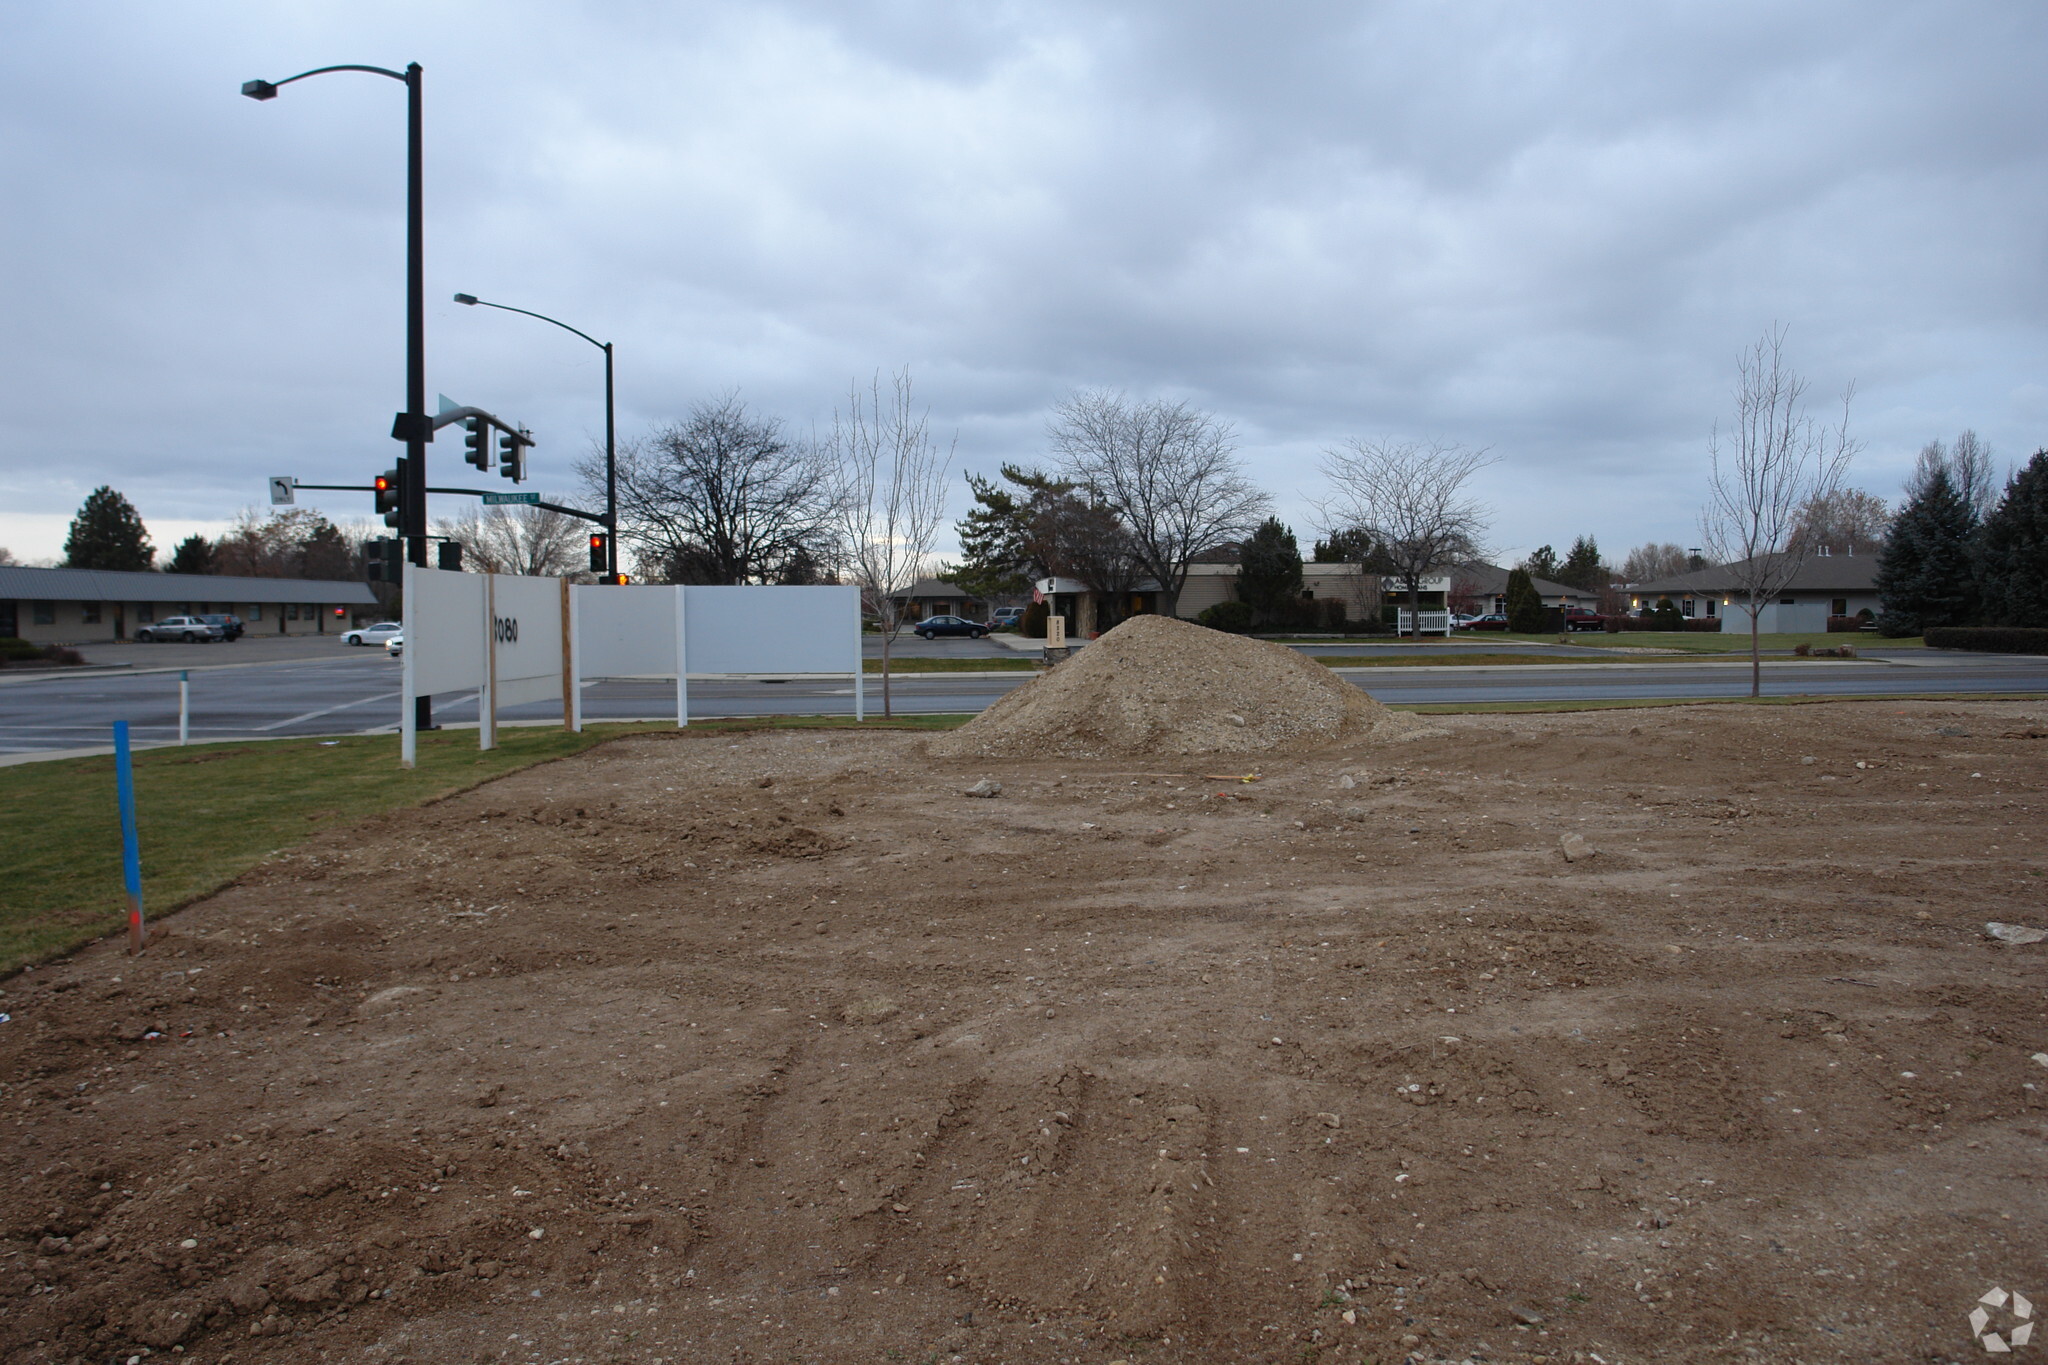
(412, 425)
(611, 464)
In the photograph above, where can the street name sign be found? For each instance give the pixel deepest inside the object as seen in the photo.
(500, 499)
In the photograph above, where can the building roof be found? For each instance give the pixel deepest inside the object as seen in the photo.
(1490, 580)
(21, 583)
(1822, 573)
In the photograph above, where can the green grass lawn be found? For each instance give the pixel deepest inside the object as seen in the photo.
(1018, 664)
(210, 812)
(1730, 641)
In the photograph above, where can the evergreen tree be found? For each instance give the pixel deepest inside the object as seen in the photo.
(1525, 604)
(1582, 567)
(2013, 550)
(995, 560)
(1924, 576)
(1542, 564)
(1354, 546)
(193, 555)
(108, 533)
(1666, 615)
(1269, 570)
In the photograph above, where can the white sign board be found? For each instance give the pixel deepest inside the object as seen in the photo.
(626, 632)
(284, 492)
(500, 634)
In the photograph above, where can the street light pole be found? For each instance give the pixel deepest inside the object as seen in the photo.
(412, 425)
(611, 460)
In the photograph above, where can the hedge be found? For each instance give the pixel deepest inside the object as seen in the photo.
(1991, 639)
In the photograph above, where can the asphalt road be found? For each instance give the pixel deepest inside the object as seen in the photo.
(347, 691)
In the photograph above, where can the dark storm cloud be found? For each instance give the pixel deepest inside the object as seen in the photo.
(1544, 231)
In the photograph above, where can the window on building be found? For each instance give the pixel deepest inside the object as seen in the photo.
(44, 613)
(1685, 608)
(1713, 608)
(291, 611)
(312, 613)
(255, 611)
(1788, 601)
(145, 612)
(1839, 607)
(89, 613)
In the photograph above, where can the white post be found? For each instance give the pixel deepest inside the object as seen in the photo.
(574, 646)
(184, 706)
(408, 732)
(682, 662)
(487, 695)
(860, 683)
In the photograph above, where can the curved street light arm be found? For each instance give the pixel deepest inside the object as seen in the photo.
(267, 90)
(476, 302)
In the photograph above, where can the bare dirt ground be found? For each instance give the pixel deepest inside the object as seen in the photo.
(778, 1048)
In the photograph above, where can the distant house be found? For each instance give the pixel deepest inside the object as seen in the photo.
(1212, 578)
(1487, 586)
(937, 597)
(81, 606)
(1825, 585)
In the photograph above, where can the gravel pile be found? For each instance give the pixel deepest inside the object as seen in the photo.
(1155, 685)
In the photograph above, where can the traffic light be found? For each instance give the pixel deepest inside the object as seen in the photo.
(391, 493)
(599, 543)
(449, 554)
(476, 442)
(512, 454)
(384, 560)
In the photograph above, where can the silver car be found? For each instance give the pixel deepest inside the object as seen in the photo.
(190, 629)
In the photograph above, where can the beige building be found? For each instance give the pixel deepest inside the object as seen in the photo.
(1207, 584)
(81, 606)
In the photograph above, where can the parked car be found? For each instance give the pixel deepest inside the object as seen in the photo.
(1577, 619)
(230, 626)
(1461, 619)
(378, 634)
(191, 629)
(1006, 618)
(1493, 620)
(395, 646)
(934, 626)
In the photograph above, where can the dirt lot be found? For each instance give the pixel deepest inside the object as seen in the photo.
(782, 1049)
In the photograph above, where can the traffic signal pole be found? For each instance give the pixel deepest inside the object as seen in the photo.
(417, 430)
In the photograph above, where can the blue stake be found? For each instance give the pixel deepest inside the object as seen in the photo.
(131, 848)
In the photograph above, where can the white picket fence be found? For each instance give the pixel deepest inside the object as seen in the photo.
(1433, 622)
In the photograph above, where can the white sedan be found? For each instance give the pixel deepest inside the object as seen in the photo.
(395, 646)
(378, 634)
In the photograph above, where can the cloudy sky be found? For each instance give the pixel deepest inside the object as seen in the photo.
(1543, 230)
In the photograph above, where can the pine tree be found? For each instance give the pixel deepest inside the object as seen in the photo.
(1525, 605)
(108, 533)
(1269, 570)
(193, 555)
(1582, 567)
(1542, 564)
(1924, 576)
(2013, 550)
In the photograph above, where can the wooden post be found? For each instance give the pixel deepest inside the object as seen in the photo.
(569, 717)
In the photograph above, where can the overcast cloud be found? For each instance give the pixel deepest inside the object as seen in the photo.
(1544, 230)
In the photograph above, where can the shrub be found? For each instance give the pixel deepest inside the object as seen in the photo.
(1844, 625)
(1233, 616)
(1993, 639)
(1666, 615)
(1525, 606)
(1702, 625)
(18, 651)
(1330, 613)
(1032, 624)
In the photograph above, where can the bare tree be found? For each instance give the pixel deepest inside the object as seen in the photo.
(1168, 470)
(1649, 562)
(1969, 468)
(1409, 500)
(720, 497)
(1775, 461)
(536, 541)
(1847, 521)
(890, 499)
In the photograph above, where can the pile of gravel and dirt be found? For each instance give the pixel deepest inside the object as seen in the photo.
(1155, 685)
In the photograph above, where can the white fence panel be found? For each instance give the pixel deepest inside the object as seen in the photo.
(771, 630)
(444, 635)
(626, 632)
(526, 639)
(1433, 622)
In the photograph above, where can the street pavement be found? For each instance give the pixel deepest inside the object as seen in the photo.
(338, 690)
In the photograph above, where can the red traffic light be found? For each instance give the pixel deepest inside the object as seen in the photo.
(383, 483)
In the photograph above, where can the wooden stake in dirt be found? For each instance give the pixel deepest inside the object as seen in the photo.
(570, 720)
(131, 845)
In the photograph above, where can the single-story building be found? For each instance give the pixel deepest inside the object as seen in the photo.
(1825, 585)
(1485, 587)
(937, 597)
(1211, 579)
(81, 606)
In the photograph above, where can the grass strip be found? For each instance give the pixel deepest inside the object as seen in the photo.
(898, 667)
(209, 812)
(1486, 708)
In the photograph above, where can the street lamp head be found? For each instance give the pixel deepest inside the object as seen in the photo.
(259, 90)
(465, 298)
